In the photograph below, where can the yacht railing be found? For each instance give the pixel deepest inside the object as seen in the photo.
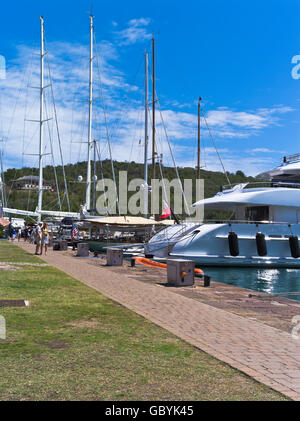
(245, 221)
(184, 226)
(291, 158)
(260, 184)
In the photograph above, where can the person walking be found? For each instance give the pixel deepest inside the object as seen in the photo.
(38, 238)
(31, 235)
(26, 234)
(45, 238)
(13, 234)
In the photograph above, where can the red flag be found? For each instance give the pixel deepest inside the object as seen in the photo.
(166, 212)
(75, 233)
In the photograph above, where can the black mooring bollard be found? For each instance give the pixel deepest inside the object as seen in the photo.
(206, 281)
(132, 263)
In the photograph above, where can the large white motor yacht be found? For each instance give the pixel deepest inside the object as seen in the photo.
(263, 232)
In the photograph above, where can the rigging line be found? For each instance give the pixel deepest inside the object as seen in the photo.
(14, 110)
(173, 158)
(106, 126)
(26, 108)
(159, 163)
(115, 127)
(50, 202)
(163, 182)
(18, 97)
(102, 174)
(45, 146)
(57, 130)
(3, 195)
(210, 134)
(83, 123)
(72, 118)
(3, 190)
(101, 171)
(79, 124)
(27, 144)
(24, 126)
(136, 129)
(159, 147)
(28, 199)
(52, 154)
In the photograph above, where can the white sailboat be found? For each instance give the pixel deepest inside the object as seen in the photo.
(39, 212)
(84, 211)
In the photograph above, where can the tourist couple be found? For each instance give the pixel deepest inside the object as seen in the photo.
(41, 238)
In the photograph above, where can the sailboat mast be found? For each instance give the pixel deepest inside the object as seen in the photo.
(3, 198)
(94, 178)
(88, 174)
(153, 126)
(198, 160)
(198, 188)
(146, 140)
(41, 140)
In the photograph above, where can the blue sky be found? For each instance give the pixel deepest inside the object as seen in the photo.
(235, 54)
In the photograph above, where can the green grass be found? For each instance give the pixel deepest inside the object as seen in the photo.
(73, 343)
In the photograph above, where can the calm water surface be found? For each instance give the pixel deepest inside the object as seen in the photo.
(264, 280)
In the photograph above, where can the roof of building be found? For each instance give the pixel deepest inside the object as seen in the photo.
(29, 178)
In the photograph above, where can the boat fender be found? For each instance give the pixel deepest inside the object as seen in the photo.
(294, 246)
(233, 242)
(261, 244)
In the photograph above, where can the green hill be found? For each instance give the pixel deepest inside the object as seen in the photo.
(28, 199)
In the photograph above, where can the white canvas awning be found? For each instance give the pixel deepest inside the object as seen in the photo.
(127, 220)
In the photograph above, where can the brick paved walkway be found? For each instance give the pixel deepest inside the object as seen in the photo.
(267, 354)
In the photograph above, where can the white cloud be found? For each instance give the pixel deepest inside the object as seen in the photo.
(136, 31)
(264, 150)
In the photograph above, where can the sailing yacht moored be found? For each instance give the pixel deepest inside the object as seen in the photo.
(264, 232)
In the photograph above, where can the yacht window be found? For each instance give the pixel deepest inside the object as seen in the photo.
(257, 213)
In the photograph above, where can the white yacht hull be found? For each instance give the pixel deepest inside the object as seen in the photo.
(162, 243)
(207, 245)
